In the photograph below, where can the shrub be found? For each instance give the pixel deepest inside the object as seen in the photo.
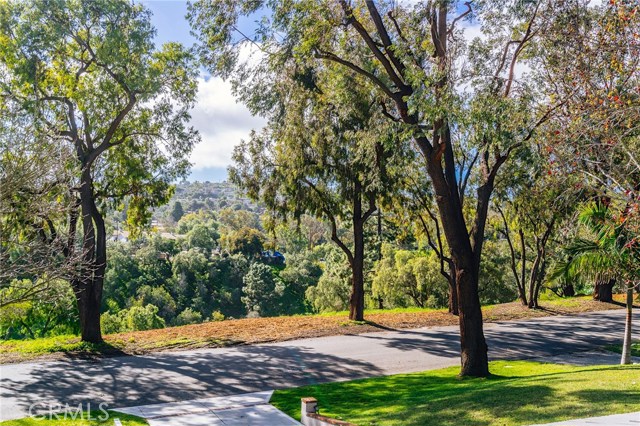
(188, 316)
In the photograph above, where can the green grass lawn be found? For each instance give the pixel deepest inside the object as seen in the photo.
(127, 420)
(64, 343)
(635, 349)
(518, 393)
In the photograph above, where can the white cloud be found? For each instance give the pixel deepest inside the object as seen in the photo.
(221, 121)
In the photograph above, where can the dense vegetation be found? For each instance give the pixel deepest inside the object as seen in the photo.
(212, 262)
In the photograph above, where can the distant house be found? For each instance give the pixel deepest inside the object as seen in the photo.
(273, 257)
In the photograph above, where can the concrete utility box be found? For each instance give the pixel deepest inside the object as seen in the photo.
(310, 417)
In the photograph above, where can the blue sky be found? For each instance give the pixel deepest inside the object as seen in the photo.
(222, 122)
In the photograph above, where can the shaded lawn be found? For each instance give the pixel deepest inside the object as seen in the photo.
(97, 419)
(518, 393)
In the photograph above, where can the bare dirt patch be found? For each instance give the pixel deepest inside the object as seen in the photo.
(263, 330)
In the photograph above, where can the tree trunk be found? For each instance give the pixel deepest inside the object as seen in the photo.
(535, 280)
(568, 290)
(604, 290)
(453, 293)
(88, 287)
(473, 345)
(626, 346)
(522, 296)
(379, 219)
(466, 259)
(356, 301)
(88, 297)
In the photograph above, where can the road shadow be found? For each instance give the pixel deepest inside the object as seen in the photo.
(130, 380)
(534, 338)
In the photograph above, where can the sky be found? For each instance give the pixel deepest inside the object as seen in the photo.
(221, 121)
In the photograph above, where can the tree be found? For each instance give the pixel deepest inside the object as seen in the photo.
(87, 73)
(331, 293)
(416, 62)
(531, 207)
(597, 134)
(323, 160)
(226, 277)
(159, 297)
(136, 318)
(404, 276)
(177, 212)
(34, 202)
(191, 272)
(302, 271)
(262, 290)
(188, 316)
(247, 241)
(203, 237)
(50, 312)
(613, 255)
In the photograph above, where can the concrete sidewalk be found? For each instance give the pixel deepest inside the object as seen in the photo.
(629, 419)
(250, 409)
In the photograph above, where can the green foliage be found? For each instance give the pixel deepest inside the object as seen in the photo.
(262, 290)
(48, 313)
(496, 284)
(333, 288)
(409, 278)
(302, 272)
(177, 212)
(128, 97)
(227, 274)
(202, 237)
(188, 316)
(611, 249)
(217, 316)
(135, 318)
(246, 241)
(159, 297)
(190, 220)
(89, 78)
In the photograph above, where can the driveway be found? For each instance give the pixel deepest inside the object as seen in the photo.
(175, 376)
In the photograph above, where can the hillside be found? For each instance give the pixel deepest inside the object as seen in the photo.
(210, 196)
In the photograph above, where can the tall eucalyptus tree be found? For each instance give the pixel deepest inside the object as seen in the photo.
(332, 159)
(451, 96)
(89, 75)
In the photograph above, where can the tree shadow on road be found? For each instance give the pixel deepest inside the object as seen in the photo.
(130, 380)
(535, 338)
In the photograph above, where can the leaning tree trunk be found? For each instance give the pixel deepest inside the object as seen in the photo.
(535, 280)
(568, 290)
(626, 346)
(473, 346)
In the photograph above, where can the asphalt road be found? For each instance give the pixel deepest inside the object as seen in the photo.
(172, 376)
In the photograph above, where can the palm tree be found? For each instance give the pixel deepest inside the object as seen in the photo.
(612, 255)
